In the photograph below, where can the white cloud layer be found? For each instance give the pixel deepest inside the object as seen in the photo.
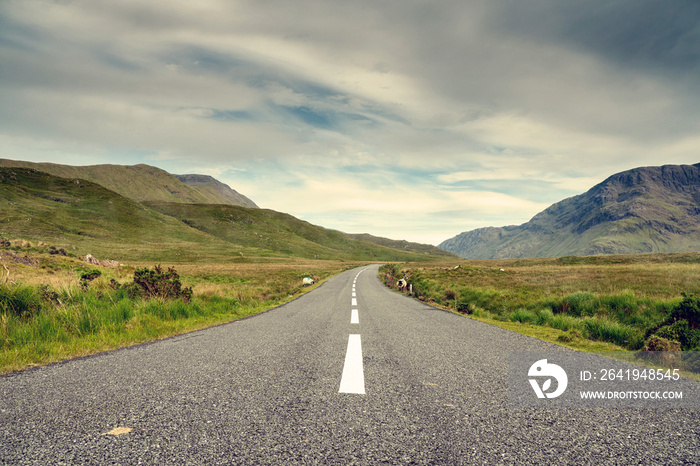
(407, 119)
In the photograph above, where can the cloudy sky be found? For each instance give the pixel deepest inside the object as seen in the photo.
(410, 119)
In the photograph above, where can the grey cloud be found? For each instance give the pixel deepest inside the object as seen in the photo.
(645, 84)
(644, 33)
(622, 70)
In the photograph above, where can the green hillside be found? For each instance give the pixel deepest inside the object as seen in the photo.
(83, 217)
(144, 182)
(278, 232)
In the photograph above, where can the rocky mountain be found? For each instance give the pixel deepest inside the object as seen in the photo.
(144, 182)
(643, 210)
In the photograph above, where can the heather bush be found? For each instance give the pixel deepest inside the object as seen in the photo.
(157, 283)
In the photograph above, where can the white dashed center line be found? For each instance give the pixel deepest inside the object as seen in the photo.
(353, 380)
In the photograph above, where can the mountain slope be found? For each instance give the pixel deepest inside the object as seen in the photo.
(280, 233)
(144, 182)
(215, 191)
(84, 217)
(644, 210)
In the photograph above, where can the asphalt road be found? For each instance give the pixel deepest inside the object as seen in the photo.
(267, 390)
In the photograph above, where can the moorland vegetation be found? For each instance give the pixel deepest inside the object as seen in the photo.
(631, 302)
(55, 306)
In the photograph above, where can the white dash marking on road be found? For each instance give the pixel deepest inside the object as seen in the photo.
(353, 379)
(354, 301)
(355, 317)
(354, 294)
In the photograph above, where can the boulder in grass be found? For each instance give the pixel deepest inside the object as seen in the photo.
(92, 260)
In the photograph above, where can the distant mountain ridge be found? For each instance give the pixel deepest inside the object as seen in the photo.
(643, 210)
(145, 183)
(401, 245)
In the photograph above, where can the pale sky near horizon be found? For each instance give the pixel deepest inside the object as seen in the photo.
(409, 119)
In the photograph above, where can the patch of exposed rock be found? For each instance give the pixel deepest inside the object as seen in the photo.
(90, 259)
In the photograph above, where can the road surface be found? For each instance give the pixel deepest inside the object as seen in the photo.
(330, 378)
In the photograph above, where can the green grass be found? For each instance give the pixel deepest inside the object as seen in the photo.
(610, 299)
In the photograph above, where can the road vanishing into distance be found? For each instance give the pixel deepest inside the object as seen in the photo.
(349, 373)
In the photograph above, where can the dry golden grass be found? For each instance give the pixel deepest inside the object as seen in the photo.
(662, 276)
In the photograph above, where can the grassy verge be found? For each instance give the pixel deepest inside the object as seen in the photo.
(55, 308)
(559, 337)
(592, 304)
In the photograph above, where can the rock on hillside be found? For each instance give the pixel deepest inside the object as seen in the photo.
(644, 210)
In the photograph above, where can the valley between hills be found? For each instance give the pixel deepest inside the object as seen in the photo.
(224, 258)
(146, 214)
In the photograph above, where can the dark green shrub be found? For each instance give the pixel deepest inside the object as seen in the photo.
(688, 309)
(661, 351)
(681, 332)
(87, 277)
(157, 283)
(60, 252)
(682, 325)
(465, 306)
(691, 361)
(48, 294)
